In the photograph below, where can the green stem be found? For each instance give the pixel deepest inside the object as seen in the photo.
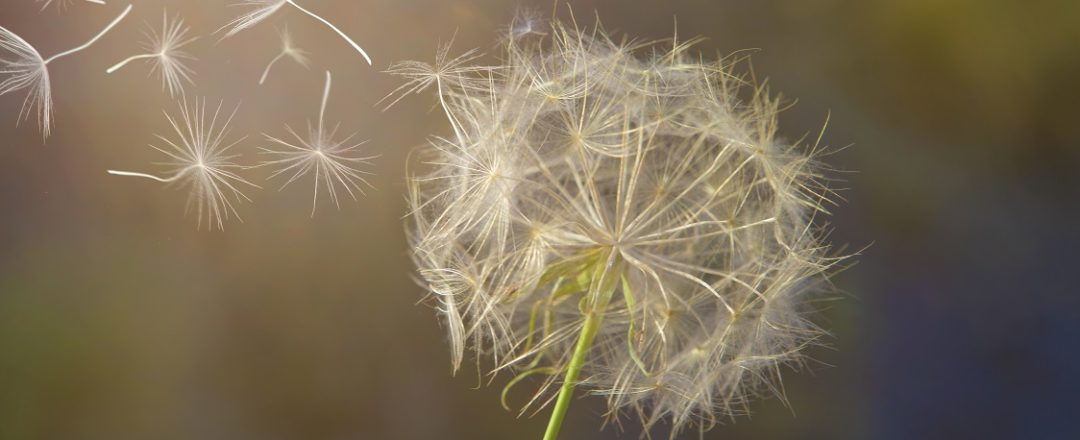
(585, 339)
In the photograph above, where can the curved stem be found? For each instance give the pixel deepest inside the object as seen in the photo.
(92, 40)
(585, 339)
(339, 32)
(268, 66)
(325, 98)
(148, 176)
(450, 117)
(128, 60)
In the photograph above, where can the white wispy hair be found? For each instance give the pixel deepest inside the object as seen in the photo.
(64, 4)
(288, 49)
(23, 67)
(632, 219)
(164, 52)
(263, 9)
(526, 22)
(200, 159)
(332, 163)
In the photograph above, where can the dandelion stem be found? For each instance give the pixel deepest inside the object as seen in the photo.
(92, 40)
(449, 116)
(325, 98)
(269, 66)
(147, 176)
(585, 339)
(128, 60)
(339, 32)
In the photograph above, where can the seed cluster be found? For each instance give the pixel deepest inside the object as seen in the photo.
(199, 155)
(627, 182)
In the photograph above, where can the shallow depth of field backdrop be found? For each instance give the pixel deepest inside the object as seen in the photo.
(118, 319)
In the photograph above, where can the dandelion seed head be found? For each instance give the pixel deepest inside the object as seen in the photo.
(259, 10)
(583, 177)
(526, 22)
(23, 68)
(200, 160)
(288, 47)
(453, 73)
(334, 164)
(169, 59)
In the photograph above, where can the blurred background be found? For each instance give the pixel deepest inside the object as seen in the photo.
(118, 319)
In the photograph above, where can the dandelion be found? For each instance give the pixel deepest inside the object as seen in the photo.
(23, 67)
(63, 4)
(334, 163)
(263, 9)
(164, 52)
(445, 73)
(199, 159)
(526, 22)
(288, 49)
(622, 224)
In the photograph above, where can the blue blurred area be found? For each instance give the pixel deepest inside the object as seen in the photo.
(977, 339)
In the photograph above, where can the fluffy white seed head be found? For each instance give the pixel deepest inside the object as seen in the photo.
(582, 177)
(23, 68)
(201, 156)
(170, 60)
(333, 163)
(289, 48)
(164, 52)
(200, 160)
(526, 22)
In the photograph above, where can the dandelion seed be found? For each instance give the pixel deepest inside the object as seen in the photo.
(617, 223)
(333, 163)
(64, 4)
(23, 67)
(443, 74)
(288, 49)
(526, 22)
(164, 52)
(199, 159)
(263, 9)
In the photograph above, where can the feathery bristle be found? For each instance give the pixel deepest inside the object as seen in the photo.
(200, 160)
(202, 154)
(22, 67)
(334, 164)
(164, 52)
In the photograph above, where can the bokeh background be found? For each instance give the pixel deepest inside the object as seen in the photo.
(118, 319)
